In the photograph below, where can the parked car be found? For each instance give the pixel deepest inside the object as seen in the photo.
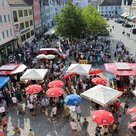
(134, 30)
(127, 25)
(120, 21)
(54, 51)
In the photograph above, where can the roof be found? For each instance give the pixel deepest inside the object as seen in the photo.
(114, 2)
(21, 2)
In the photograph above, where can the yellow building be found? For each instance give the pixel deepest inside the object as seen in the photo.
(23, 20)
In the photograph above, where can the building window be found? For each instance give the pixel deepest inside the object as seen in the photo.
(106, 7)
(8, 17)
(32, 32)
(31, 22)
(11, 32)
(28, 35)
(5, 19)
(3, 34)
(26, 24)
(23, 38)
(111, 7)
(101, 8)
(15, 16)
(22, 26)
(1, 19)
(30, 11)
(20, 13)
(7, 32)
(3, 4)
(25, 13)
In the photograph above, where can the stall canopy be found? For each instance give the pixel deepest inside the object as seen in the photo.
(101, 94)
(34, 74)
(3, 80)
(81, 69)
(121, 69)
(10, 69)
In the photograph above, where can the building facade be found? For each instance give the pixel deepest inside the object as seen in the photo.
(23, 20)
(43, 15)
(7, 35)
(112, 8)
(37, 17)
(53, 7)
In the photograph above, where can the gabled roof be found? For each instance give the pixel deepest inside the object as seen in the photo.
(114, 2)
(21, 2)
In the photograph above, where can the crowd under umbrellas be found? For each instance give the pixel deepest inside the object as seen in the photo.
(65, 91)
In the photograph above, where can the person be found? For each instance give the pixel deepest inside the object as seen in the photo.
(119, 121)
(78, 112)
(85, 126)
(54, 112)
(31, 133)
(127, 102)
(31, 108)
(14, 100)
(73, 126)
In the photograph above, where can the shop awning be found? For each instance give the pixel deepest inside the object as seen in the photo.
(132, 17)
(3, 80)
(124, 15)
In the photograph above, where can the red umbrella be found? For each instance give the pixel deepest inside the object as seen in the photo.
(102, 117)
(33, 89)
(99, 80)
(96, 71)
(131, 110)
(132, 125)
(54, 92)
(55, 83)
(70, 74)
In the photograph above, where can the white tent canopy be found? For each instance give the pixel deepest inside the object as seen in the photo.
(81, 69)
(19, 69)
(101, 94)
(134, 92)
(34, 74)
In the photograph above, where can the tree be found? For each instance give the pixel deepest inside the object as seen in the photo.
(95, 23)
(70, 22)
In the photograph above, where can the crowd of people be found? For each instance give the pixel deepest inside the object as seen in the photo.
(13, 94)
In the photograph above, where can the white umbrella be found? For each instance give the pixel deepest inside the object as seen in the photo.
(50, 56)
(41, 56)
(2, 109)
(101, 94)
(134, 92)
(34, 74)
(81, 69)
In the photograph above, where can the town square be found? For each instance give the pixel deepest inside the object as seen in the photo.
(67, 68)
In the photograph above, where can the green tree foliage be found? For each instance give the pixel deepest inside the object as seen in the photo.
(95, 23)
(70, 22)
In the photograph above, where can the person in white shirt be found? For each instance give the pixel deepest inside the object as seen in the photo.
(78, 112)
(14, 100)
(31, 108)
(54, 112)
(74, 127)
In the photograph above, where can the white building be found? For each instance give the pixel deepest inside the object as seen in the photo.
(112, 8)
(81, 3)
(52, 8)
